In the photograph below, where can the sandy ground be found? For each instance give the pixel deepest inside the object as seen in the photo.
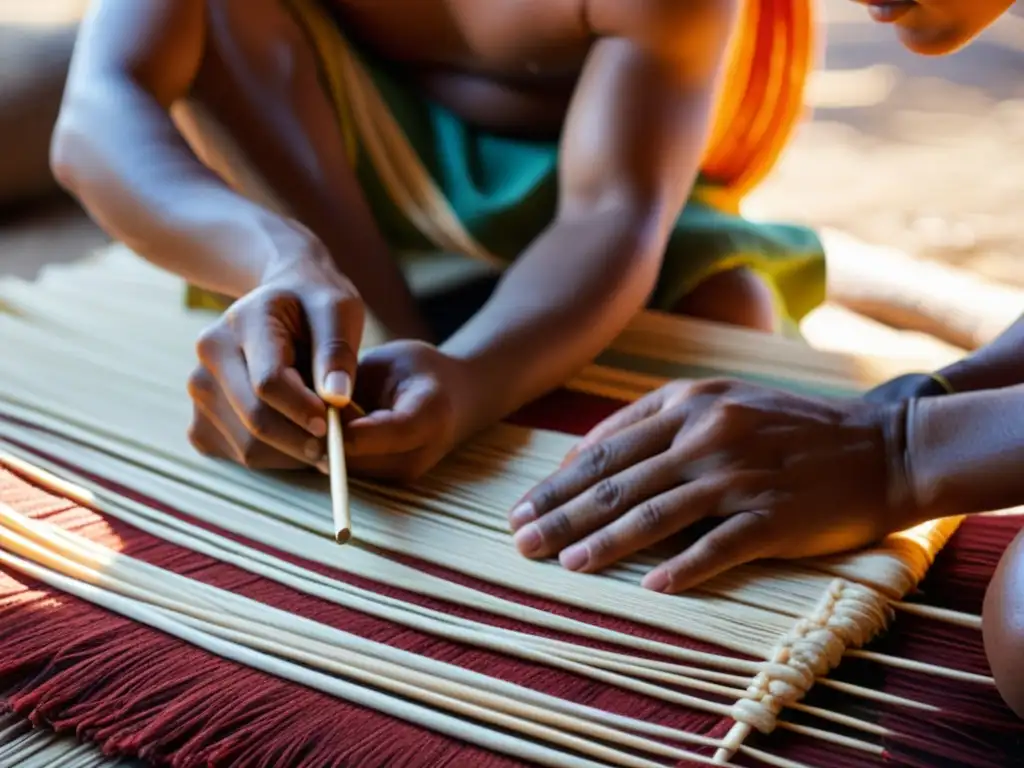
(923, 154)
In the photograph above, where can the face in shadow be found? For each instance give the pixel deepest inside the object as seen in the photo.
(936, 27)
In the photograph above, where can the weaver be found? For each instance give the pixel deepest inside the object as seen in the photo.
(168, 606)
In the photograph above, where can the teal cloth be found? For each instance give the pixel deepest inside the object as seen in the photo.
(504, 191)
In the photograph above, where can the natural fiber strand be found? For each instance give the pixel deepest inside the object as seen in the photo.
(459, 508)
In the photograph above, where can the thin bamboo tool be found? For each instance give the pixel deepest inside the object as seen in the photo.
(339, 478)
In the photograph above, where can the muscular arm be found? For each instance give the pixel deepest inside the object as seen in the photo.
(117, 148)
(630, 154)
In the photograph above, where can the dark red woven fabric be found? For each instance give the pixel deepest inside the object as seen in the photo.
(137, 691)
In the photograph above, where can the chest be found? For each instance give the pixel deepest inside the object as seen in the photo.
(507, 38)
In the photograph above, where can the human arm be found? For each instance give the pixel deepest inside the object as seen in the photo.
(965, 452)
(630, 152)
(117, 148)
(264, 366)
(996, 365)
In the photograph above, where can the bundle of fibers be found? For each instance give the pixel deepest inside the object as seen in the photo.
(170, 607)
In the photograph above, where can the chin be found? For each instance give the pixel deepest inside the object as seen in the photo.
(934, 42)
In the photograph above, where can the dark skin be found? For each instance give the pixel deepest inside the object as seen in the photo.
(627, 85)
(764, 464)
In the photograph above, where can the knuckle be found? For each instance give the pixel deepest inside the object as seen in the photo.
(259, 420)
(269, 382)
(201, 385)
(197, 438)
(336, 353)
(556, 526)
(210, 342)
(543, 497)
(608, 494)
(249, 454)
(649, 517)
(715, 386)
(596, 459)
(729, 413)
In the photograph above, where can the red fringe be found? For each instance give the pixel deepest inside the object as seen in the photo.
(136, 691)
(78, 667)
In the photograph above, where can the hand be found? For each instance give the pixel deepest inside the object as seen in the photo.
(253, 398)
(783, 476)
(419, 405)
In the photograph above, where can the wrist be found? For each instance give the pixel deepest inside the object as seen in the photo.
(932, 484)
(902, 499)
(474, 398)
(296, 253)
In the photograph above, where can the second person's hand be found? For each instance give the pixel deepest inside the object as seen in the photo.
(272, 362)
(780, 475)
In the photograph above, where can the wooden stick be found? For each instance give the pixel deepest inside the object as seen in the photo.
(339, 477)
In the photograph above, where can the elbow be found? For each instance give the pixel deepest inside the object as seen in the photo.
(77, 145)
(67, 155)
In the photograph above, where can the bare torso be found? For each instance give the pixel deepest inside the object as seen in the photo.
(508, 66)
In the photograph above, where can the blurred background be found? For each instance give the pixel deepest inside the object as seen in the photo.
(912, 168)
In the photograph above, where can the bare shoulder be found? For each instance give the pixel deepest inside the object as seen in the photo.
(678, 27)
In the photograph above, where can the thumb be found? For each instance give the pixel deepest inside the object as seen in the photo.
(336, 327)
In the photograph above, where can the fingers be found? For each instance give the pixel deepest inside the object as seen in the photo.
(601, 505)
(211, 439)
(585, 473)
(647, 523)
(268, 348)
(740, 539)
(414, 420)
(260, 437)
(336, 324)
(626, 417)
(401, 467)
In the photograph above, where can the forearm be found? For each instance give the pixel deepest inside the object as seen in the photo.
(563, 301)
(965, 452)
(117, 150)
(999, 364)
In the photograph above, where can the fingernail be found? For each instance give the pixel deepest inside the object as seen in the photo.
(323, 467)
(528, 540)
(317, 427)
(575, 557)
(338, 384)
(656, 581)
(521, 515)
(312, 450)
